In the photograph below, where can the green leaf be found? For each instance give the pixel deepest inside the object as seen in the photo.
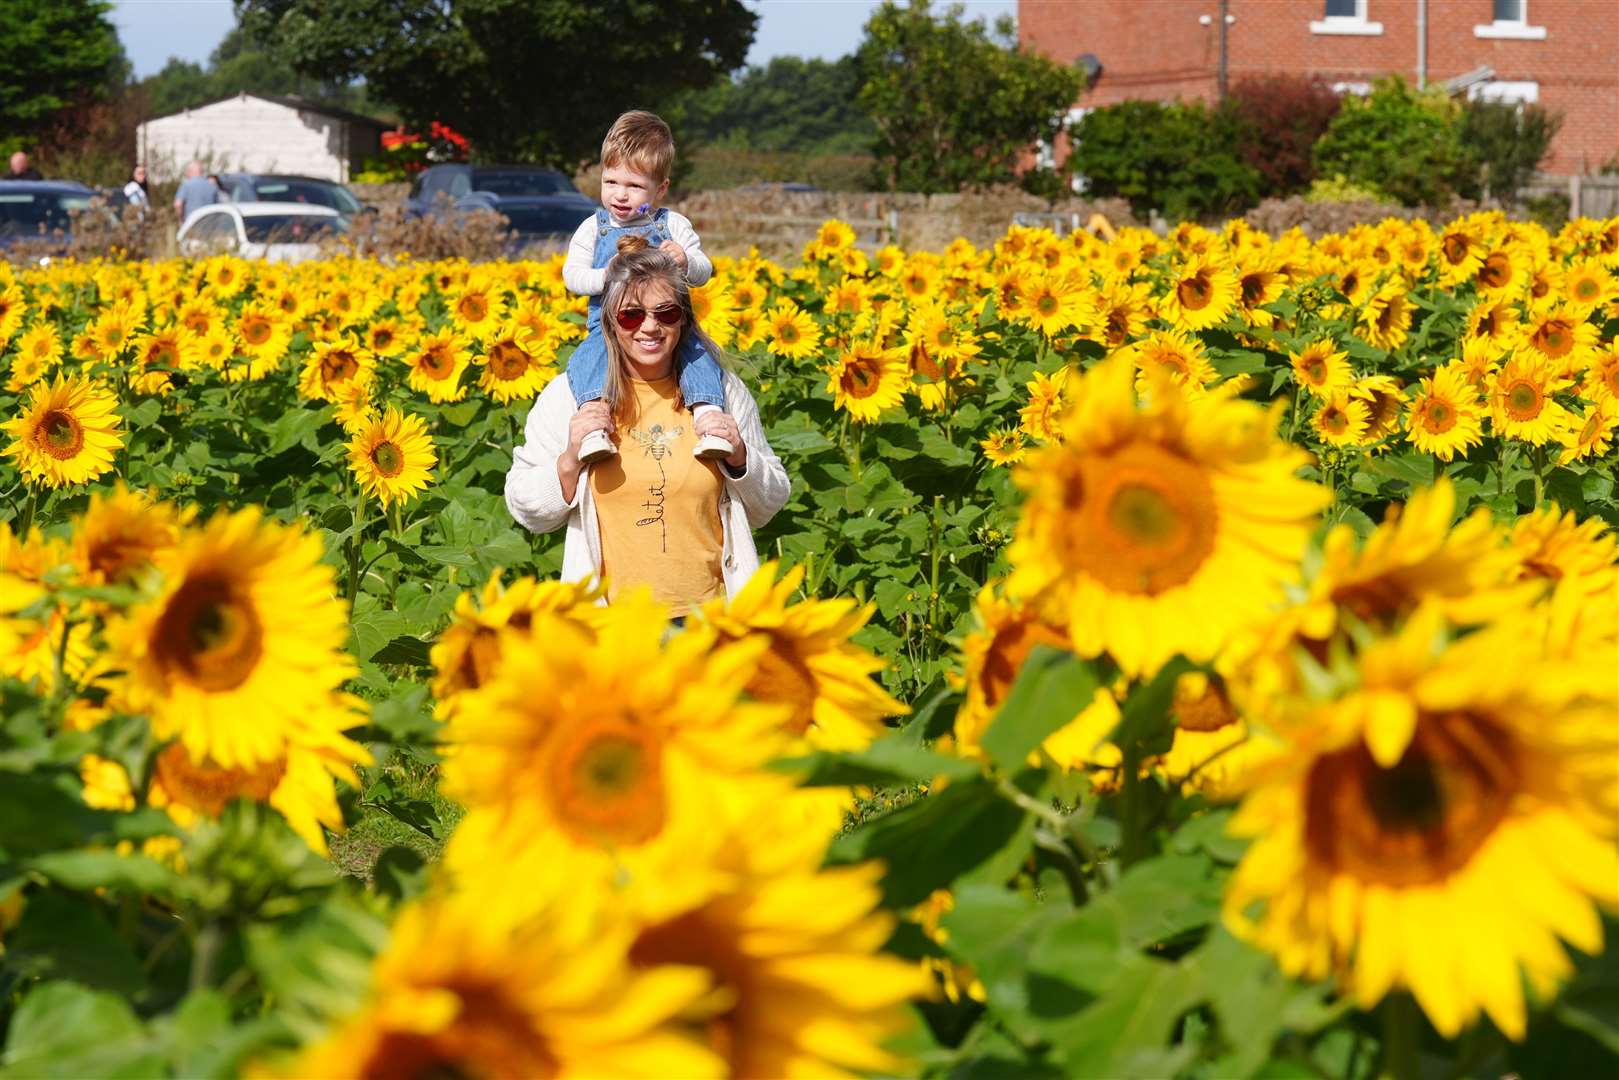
(407, 717)
(1254, 1002)
(39, 814)
(63, 935)
(63, 1030)
(1052, 688)
(931, 842)
(1162, 898)
(374, 627)
(90, 869)
(291, 427)
(893, 759)
(1144, 720)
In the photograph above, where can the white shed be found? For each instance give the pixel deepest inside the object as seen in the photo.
(261, 133)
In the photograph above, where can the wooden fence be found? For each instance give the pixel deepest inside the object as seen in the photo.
(1588, 196)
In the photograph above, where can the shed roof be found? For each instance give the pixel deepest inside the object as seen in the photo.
(298, 103)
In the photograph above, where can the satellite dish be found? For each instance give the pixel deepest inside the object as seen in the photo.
(1091, 66)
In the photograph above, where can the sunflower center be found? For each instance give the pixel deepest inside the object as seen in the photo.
(1438, 418)
(207, 788)
(435, 364)
(1315, 370)
(1495, 271)
(1144, 519)
(784, 679)
(472, 308)
(788, 334)
(60, 435)
(1455, 249)
(382, 337)
(388, 459)
(693, 940)
(255, 331)
(1334, 421)
(1195, 292)
(491, 1035)
(339, 365)
(1201, 704)
(210, 633)
(1253, 290)
(1523, 401)
(922, 363)
(1007, 650)
(1554, 338)
(1046, 305)
(508, 361)
(1587, 289)
(1389, 317)
(1419, 821)
(606, 783)
(861, 378)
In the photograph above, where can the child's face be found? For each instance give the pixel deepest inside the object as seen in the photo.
(624, 191)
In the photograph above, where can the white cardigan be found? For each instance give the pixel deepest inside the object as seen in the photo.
(534, 491)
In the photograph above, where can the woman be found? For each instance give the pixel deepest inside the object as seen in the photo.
(654, 514)
(136, 193)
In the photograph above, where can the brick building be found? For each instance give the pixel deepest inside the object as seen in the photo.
(1563, 54)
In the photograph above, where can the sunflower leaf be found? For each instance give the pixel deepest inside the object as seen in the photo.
(1052, 688)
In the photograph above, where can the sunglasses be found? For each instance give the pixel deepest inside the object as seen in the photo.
(631, 318)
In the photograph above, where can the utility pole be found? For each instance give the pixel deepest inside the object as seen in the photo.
(1225, 22)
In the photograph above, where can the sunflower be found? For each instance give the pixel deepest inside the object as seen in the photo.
(711, 308)
(1385, 401)
(121, 533)
(1521, 402)
(811, 667)
(478, 310)
(263, 334)
(331, 365)
(1141, 514)
(67, 434)
(792, 332)
(1553, 545)
(113, 328)
(1495, 321)
(794, 995)
(1214, 749)
(1054, 302)
(393, 457)
(1004, 446)
(512, 368)
(1560, 336)
(1444, 814)
(1342, 420)
(992, 654)
(488, 984)
(1446, 414)
(1041, 416)
(1259, 282)
(40, 347)
(241, 650)
(1176, 353)
(214, 349)
(13, 309)
(1460, 254)
(1385, 321)
(832, 239)
(867, 379)
(436, 364)
(1202, 293)
(1321, 368)
(386, 337)
(467, 653)
(1122, 313)
(1591, 435)
(1588, 285)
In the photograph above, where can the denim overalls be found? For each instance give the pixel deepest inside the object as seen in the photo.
(701, 380)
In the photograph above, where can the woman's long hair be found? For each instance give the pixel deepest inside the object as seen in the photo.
(638, 265)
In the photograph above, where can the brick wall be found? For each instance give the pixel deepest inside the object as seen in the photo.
(1159, 49)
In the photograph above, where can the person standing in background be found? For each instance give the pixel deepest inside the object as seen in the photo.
(196, 191)
(136, 192)
(21, 169)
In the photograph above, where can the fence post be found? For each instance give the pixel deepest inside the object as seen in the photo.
(1574, 210)
(893, 226)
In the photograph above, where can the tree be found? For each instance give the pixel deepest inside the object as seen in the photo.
(791, 104)
(54, 55)
(1279, 118)
(1504, 145)
(536, 79)
(1398, 140)
(240, 63)
(1176, 157)
(954, 104)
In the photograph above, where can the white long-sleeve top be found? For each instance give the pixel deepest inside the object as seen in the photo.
(583, 279)
(534, 490)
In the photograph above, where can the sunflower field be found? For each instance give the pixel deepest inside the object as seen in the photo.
(1180, 656)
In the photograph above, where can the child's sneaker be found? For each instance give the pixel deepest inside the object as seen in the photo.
(597, 447)
(710, 447)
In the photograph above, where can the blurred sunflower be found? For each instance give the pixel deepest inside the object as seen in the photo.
(13, 309)
(331, 365)
(1041, 415)
(263, 334)
(1143, 513)
(393, 457)
(1202, 293)
(1054, 302)
(1591, 435)
(479, 308)
(67, 433)
(121, 533)
(1385, 321)
(1554, 545)
(1385, 400)
(1176, 353)
(811, 667)
(1443, 816)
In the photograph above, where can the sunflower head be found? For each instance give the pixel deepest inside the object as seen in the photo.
(67, 434)
(393, 457)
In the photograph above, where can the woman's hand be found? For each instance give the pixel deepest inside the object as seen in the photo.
(719, 423)
(591, 416)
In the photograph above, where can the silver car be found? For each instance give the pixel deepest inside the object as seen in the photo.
(280, 232)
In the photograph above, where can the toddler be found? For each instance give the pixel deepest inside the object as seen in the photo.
(636, 157)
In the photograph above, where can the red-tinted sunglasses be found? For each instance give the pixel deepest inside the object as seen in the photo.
(631, 318)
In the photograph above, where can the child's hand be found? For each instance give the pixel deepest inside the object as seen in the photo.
(674, 251)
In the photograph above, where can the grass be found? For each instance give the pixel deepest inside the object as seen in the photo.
(400, 806)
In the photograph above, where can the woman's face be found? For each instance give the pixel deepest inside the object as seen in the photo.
(650, 347)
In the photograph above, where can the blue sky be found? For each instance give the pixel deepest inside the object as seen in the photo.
(154, 30)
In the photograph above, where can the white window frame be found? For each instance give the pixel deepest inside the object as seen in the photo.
(1511, 29)
(1506, 93)
(1355, 25)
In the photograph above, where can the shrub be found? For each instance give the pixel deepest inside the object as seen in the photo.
(1339, 189)
(1280, 118)
(1179, 158)
(1398, 140)
(1504, 145)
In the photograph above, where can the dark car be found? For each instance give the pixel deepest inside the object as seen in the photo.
(276, 187)
(34, 209)
(540, 203)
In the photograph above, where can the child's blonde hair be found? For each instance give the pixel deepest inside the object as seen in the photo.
(642, 142)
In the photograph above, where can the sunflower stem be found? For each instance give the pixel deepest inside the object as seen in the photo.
(203, 952)
(1538, 457)
(28, 511)
(1402, 1038)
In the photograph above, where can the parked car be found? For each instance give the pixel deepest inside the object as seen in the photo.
(275, 231)
(37, 209)
(276, 187)
(540, 203)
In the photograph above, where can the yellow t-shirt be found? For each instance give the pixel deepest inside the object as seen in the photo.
(659, 507)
